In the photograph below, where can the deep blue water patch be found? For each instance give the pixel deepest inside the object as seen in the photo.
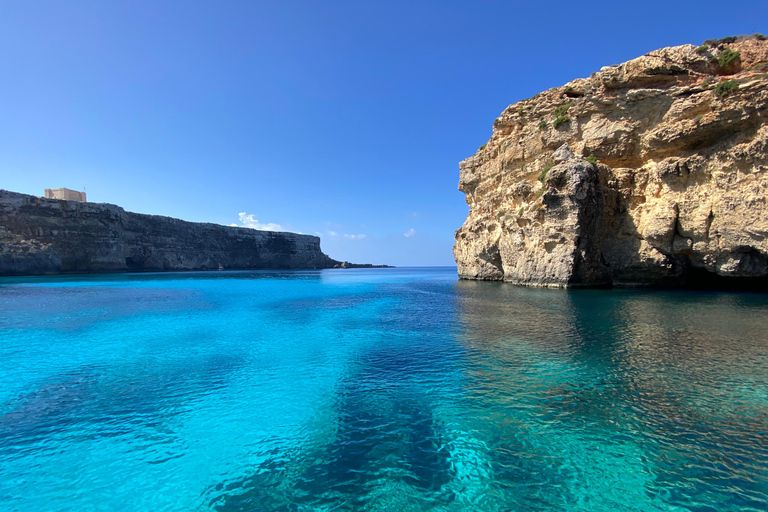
(381, 389)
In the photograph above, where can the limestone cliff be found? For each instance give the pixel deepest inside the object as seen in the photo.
(652, 172)
(49, 236)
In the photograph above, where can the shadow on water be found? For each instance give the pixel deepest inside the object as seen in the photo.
(385, 434)
(583, 400)
(387, 444)
(663, 385)
(426, 393)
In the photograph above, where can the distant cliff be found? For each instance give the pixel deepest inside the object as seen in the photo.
(652, 172)
(49, 236)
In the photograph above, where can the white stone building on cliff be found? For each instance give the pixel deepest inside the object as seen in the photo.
(65, 194)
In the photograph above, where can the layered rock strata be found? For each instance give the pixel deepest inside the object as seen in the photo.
(50, 236)
(652, 172)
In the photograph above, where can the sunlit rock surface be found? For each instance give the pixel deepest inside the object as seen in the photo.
(652, 172)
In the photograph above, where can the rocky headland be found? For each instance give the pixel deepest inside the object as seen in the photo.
(51, 236)
(653, 172)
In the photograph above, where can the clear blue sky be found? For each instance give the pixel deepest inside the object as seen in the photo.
(338, 118)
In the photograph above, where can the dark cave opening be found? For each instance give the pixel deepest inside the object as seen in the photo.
(696, 278)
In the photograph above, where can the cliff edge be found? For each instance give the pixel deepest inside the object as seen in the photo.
(52, 236)
(653, 172)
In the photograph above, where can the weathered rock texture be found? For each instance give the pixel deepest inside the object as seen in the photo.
(49, 236)
(652, 172)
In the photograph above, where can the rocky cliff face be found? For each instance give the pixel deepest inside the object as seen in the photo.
(44, 236)
(652, 172)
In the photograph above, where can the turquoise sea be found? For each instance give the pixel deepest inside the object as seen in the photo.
(382, 389)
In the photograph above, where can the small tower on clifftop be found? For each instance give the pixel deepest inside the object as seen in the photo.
(65, 194)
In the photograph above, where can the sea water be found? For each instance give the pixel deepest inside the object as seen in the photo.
(385, 389)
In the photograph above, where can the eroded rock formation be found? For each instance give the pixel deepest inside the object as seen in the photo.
(652, 172)
(50, 236)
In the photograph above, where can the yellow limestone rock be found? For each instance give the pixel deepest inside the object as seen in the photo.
(652, 172)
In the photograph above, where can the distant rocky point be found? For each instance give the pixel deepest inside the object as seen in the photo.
(346, 264)
(653, 172)
(52, 236)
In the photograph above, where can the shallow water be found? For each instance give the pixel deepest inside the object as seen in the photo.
(384, 389)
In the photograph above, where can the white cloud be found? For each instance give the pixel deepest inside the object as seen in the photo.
(409, 233)
(248, 221)
(334, 235)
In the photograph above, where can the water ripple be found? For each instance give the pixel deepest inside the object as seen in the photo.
(377, 390)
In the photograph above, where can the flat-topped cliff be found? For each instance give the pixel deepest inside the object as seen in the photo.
(651, 172)
(49, 236)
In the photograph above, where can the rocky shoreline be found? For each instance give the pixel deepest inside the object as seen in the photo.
(648, 173)
(51, 236)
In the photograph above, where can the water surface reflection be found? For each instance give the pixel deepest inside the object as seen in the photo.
(391, 389)
(654, 399)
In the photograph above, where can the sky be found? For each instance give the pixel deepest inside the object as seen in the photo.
(342, 119)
